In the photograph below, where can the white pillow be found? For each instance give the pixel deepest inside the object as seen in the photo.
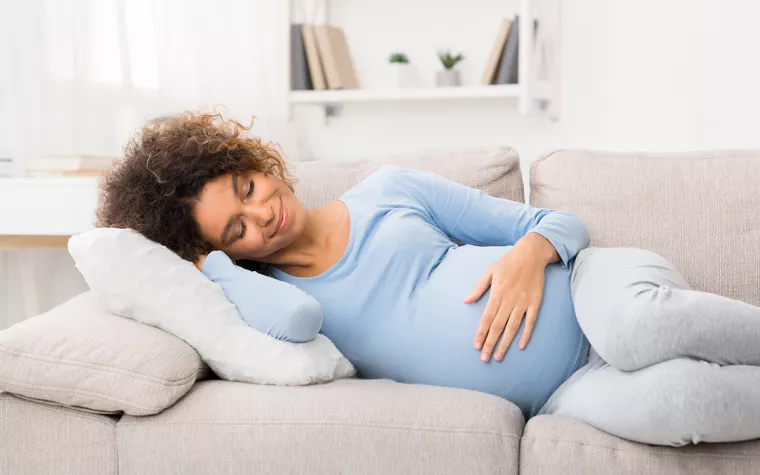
(142, 280)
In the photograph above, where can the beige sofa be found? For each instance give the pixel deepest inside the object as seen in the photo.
(155, 408)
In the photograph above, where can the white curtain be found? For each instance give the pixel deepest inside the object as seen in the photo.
(80, 76)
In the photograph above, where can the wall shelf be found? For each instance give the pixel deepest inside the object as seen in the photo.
(338, 97)
(537, 89)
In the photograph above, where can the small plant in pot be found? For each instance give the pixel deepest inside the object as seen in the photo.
(399, 58)
(401, 71)
(449, 76)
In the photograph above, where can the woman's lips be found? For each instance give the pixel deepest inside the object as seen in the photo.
(283, 217)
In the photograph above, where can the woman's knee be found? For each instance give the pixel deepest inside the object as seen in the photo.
(625, 341)
(618, 348)
(695, 407)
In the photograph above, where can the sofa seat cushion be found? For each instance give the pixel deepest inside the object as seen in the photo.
(699, 210)
(561, 445)
(495, 170)
(345, 426)
(40, 438)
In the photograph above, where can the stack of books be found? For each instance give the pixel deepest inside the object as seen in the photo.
(502, 64)
(75, 165)
(320, 58)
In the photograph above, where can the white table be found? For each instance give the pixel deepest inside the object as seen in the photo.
(42, 212)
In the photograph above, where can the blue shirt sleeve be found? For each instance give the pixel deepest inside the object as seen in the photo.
(471, 216)
(278, 309)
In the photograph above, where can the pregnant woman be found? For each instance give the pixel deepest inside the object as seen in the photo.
(422, 280)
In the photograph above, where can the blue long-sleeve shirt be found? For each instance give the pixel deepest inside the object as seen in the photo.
(394, 302)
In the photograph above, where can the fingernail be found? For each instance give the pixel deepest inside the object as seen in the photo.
(521, 346)
(478, 345)
(484, 357)
(497, 356)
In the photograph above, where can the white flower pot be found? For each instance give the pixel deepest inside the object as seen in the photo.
(401, 76)
(447, 77)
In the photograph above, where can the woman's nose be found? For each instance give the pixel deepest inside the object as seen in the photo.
(262, 214)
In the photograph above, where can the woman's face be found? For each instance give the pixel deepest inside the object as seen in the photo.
(249, 216)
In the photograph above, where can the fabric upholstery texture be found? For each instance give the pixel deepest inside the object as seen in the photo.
(40, 439)
(80, 354)
(345, 426)
(560, 445)
(700, 210)
(659, 201)
(495, 170)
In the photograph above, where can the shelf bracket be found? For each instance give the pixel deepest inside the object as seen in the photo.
(542, 58)
(333, 110)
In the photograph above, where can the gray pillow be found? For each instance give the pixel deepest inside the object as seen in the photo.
(81, 355)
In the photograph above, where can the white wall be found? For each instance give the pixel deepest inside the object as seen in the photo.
(32, 282)
(646, 74)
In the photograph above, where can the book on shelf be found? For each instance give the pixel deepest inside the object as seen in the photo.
(69, 165)
(309, 34)
(300, 79)
(503, 62)
(320, 58)
(336, 57)
(494, 59)
(509, 64)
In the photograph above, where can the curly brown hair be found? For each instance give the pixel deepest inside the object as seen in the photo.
(154, 188)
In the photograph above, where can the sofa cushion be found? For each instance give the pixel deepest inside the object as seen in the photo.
(345, 426)
(699, 210)
(144, 281)
(80, 354)
(39, 438)
(561, 445)
(495, 170)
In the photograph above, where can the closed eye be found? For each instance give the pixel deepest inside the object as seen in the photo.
(250, 189)
(243, 229)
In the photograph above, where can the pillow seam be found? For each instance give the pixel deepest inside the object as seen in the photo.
(82, 392)
(68, 410)
(65, 362)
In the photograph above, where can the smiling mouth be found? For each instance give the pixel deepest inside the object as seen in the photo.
(279, 220)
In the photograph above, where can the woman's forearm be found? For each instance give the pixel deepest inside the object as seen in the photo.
(275, 308)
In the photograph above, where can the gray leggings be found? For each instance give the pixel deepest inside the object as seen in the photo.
(669, 365)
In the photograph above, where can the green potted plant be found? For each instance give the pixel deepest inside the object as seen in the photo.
(448, 76)
(401, 71)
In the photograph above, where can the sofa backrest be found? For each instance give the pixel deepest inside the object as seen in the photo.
(495, 170)
(700, 210)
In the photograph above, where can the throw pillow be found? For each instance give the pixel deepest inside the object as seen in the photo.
(145, 281)
(80, 354)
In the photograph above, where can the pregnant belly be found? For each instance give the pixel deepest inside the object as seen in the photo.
(437, 346)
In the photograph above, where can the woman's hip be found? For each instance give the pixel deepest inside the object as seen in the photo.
(600, 271)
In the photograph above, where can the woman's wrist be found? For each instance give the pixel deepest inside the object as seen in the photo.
(541, 247)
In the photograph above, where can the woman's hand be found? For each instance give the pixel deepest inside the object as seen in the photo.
(517, 285)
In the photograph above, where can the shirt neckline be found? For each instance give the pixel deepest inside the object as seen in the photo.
(282, 275)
